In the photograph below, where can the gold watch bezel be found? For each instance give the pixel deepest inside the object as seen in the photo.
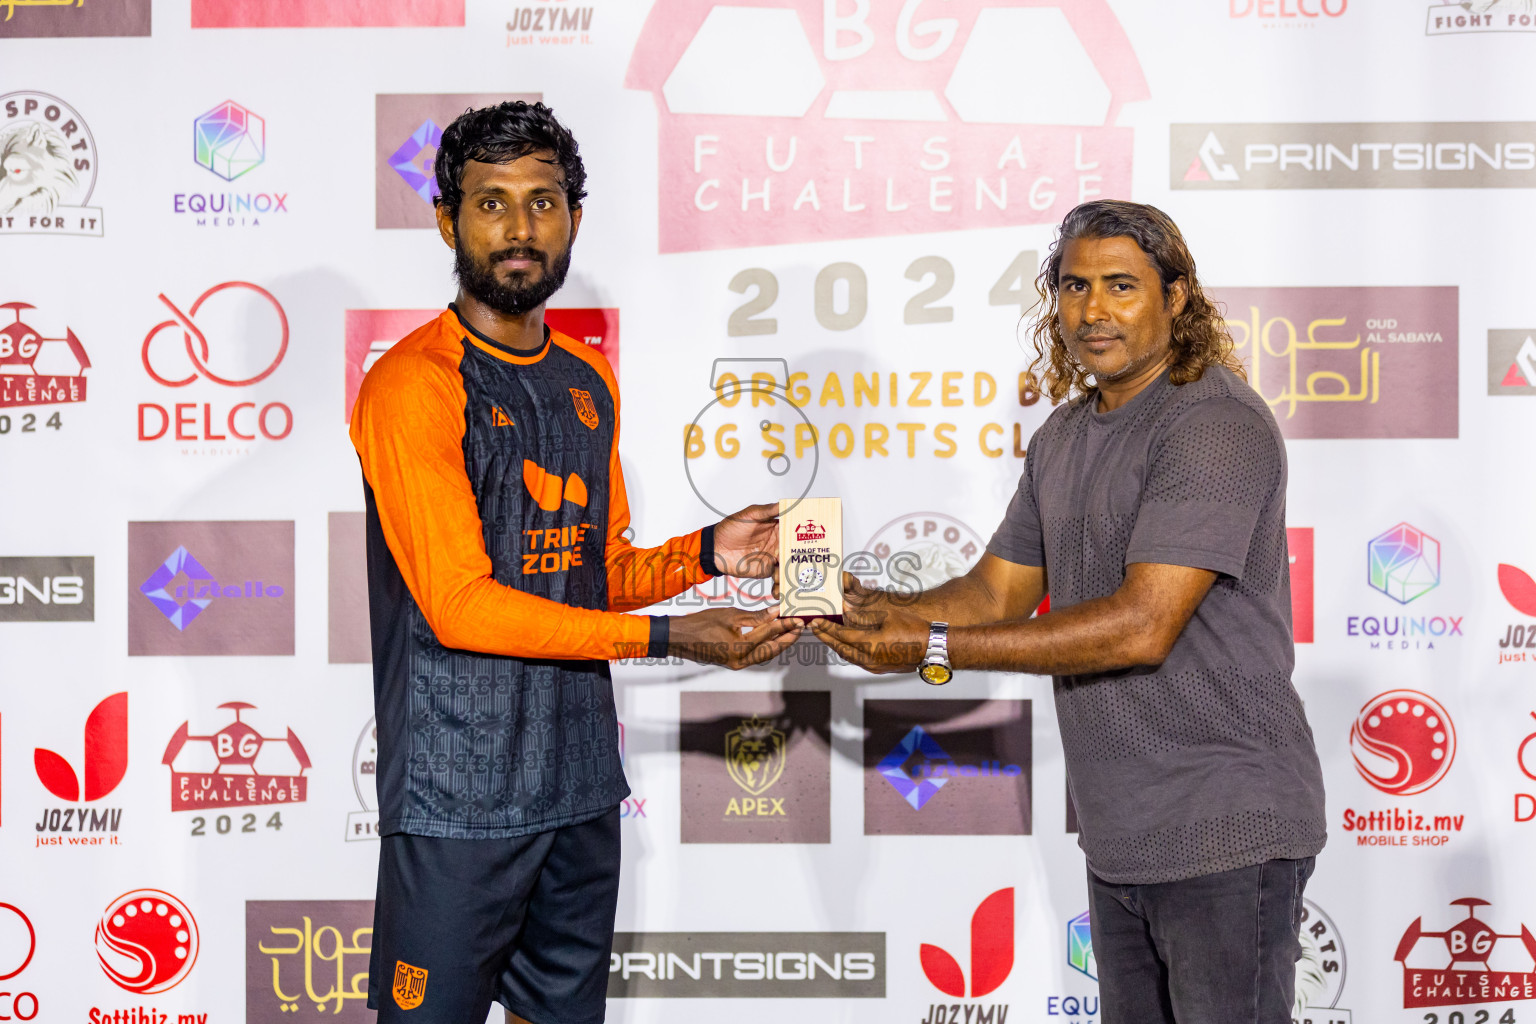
(928, 670)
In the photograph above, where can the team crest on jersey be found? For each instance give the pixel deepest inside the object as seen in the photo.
(586, 411)
(410, 985)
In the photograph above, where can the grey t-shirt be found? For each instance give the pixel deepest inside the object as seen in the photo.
(1206, 762)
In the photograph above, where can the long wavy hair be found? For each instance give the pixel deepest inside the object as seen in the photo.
(1200, 336)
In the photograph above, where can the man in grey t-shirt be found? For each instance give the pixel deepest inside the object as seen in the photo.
(1152, 509)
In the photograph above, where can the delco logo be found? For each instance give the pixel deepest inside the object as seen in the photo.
(810, 531)
(773, 129)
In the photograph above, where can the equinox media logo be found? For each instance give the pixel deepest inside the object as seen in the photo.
(1404, 564)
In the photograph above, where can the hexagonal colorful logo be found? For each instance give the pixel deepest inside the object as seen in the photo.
(1080, 946)
(1404, 563)
(229, 140)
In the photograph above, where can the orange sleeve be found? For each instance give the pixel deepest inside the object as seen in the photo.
(408, 429)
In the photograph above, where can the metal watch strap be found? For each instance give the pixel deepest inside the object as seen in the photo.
(938, 644)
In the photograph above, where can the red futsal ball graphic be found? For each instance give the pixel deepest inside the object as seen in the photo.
(147, 941)
(1403, 742)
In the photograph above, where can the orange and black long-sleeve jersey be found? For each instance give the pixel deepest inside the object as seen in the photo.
(498, 571)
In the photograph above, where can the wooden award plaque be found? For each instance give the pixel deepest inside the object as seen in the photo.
(811, 558)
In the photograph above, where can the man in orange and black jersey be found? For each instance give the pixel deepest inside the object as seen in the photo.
(499, 573)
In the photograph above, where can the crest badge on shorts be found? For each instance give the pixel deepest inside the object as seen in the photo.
(410, 985)
(586, 410)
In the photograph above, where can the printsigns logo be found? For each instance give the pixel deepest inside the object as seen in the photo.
(1459, 17)
(230, 140)
(18, 944)
(1350, 362)
(1299, 542)
(1321, 969)
(48, 162)
(235, 766)
(225, 588)
(373, 332)
(105, 760)
(756, 767)
(407, 130)
(1403, 563)
(1512, 362)
(772, 133)
(1519, 637)
(354, 14)
(48, 589)
(1403, 742)
(307, 953)
(248, 329)
(33, 19)
(1466, 963)
(747, 965)
(35, 370)
(1450, 154)
(947, 767)
(147, 941)
(991, 952)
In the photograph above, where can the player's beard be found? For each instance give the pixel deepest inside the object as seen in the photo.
(523, 292)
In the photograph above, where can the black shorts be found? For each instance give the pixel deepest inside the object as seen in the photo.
(526, 922)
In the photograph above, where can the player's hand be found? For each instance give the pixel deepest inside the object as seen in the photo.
(747, 542)
(731, 637)
(875, 635)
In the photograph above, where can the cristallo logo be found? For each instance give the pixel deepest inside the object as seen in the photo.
(755, 754)
(773, 129)
(586, 410)
(410, 985)
(991, 951)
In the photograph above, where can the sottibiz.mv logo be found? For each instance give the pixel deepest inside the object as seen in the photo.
(1469, 962)
(991, 963)
(147, 941)
(800, 120)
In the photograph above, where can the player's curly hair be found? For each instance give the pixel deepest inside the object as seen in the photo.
(500, 134)
(1200, 336)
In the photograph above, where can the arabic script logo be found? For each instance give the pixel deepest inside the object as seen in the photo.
(196, 343)
(1404, 563)
(230, 140)
(147, 941)
(106, 755)
(991, 951)
(1403, 742)
(755, 754)
(919, 791)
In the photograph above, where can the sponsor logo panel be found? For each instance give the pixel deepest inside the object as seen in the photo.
(1350, 362)
(947, 767)
(1321, 970)
(1519, 638)
(372, 332)
(407, 130)
(43, 19)
(235, 766)
(303, 955)
(303, 14)
(1455, 154)
(1525, 757)
(36, 370)
(1512, 362)
(772, 129)
(1403, 743)
(48, 588)
(18, 945)
(1460, 17)
(364, 823)
(229, 141)
(1291, 14)
(147, 941)
(991, 961)
(747, 965)
(756, 767)
(50, 164)
(1467, 963)
(1076, 1008)
(210, 588)
(1403, 563)
(549, 24)
(102, 765)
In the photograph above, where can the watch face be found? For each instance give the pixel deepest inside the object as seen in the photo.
(935, 675)
(809, 577)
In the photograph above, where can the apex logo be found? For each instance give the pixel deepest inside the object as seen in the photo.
(499, 418)
(106, 755)
(991, 951)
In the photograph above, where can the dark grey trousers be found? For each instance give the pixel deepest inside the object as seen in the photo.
(1215, 949)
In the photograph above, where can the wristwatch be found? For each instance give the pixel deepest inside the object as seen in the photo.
(935, 669)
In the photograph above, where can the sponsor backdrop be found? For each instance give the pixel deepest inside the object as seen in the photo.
(818, 222)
